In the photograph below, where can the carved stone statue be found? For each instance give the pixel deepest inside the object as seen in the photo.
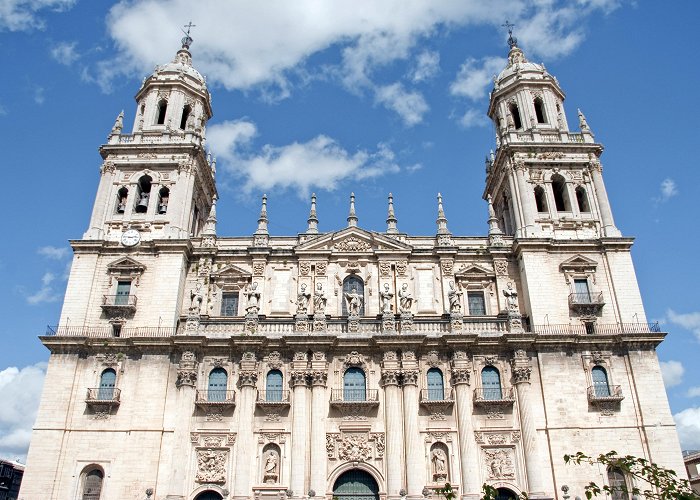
(190, 122)
(303, 300)
(253, 298)
(196, 298)
(319, 300)
(405, 299)
(354, 302)
(439, 459)
(511, 297)
(386, 297)
(455, 299)
(270, 473)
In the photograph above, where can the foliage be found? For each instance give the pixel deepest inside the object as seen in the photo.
(488, 492)
(659, 483)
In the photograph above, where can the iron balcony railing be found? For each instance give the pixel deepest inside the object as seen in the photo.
(103, 395)
(215, 397)
(604, 392)
(436, 394)
(119, 300)
(586, 299)
(273, 397)
(108, 331)
(494, 395)
(355, 395)
(597, 328)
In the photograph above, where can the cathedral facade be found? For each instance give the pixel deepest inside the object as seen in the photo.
(352, 364)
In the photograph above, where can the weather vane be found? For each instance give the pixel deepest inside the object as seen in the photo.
(512, 41)
(187, 40)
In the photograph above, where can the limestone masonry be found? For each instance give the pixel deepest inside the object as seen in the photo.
(350, 364)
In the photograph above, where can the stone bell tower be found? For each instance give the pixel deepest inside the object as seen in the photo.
(545, 181)
(158, 180)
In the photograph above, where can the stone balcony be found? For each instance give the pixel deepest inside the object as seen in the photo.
(605, 394)
(118, 305)
(208, 399)
(273, 399)
(588, 304)
(487, 396)
(102, 400)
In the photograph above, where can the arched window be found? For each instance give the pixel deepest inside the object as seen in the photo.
(354, 286)
(107, 381)
(513, 108)
(162, 108)
(218, 380)
(354, 386)
(539, 110)
(273, 386)
(491, 383)
(540, 199)
(600, 382)
(209, 495)
(92, 484)
(355, 484)
(163, 199)
(144, 192)
(505, 494)
(436, 385)
(122, 195)
(561, 198)
(185, 114)
(582, 200)
(617, 483)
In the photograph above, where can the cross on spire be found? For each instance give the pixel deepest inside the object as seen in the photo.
(187, 40)
(512, 41)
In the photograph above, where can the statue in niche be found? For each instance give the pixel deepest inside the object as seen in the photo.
(270, 473)
(196, 298)
(386, 297)
(303, 300)
(319, 300)
(354, 302)
(454, 296)
(405, 299)
(253, 298)
(511, 297)
(439, 459)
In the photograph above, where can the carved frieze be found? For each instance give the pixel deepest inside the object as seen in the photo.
(355, 446)
(274, 360)
(354, 359)
(211, 465)
(499, 463)
(352, 244)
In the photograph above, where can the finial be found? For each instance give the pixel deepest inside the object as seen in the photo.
(582, 123)
(210, 224)
(512, 41)
(391, 218)
(118, 123)
(312, 220)
(187, 40)
(495, 233)
(262, 220)
(352, 218)
(441, 220)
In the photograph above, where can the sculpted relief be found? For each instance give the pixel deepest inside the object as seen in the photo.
(211, 465)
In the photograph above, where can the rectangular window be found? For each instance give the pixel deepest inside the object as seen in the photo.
(122, 296)
(229, 304)
(477, 305)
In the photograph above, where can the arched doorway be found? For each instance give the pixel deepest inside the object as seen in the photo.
(355, 484)
(506, 494)
(209, 495)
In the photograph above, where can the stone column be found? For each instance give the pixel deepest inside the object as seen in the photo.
(182, 449)
(526, 199)
(415, 453)
(521, 369)
(247, 380)
(606, 216)
(468, 451)
(394, 428)
(319, 411)
(300, 421)
(513, 208)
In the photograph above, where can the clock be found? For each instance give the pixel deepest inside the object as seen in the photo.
(130, 237)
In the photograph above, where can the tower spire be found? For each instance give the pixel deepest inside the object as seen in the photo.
(187, 39)
(262, 220)
(441, 220)
(391, 218)
(512, 41)
(352, 218)
(312, 220)
(495, 233)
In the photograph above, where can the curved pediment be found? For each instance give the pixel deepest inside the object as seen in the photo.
(352, 240)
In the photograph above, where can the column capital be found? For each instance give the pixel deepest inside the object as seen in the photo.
(319, 378)
(460, 376)
(298, 378)
(390, 377)
(521, 367)
(410, 377)
(247, 378)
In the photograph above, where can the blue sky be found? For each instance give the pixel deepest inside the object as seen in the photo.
(334, 97)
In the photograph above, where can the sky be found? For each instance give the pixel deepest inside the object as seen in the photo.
(333, 97)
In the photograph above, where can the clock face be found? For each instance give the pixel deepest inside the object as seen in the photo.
(130, 237)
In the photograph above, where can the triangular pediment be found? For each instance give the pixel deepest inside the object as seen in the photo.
(474, 271)
(353, 240)
(578, 263)
(231, 271)
(126, 265)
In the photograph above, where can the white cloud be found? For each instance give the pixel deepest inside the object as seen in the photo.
(475, 76)
(20, 391)
(21, 15)
(410, 106)
(473, 118)
(688, 427)
(427, 66)
(3, 110)
(39, 97)
(320, 163)
(672, 372)
(65, 53)
(668, 189)
(54, 253)
(244, 44)
(693, 392)
(689, 321)
(46, 293)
